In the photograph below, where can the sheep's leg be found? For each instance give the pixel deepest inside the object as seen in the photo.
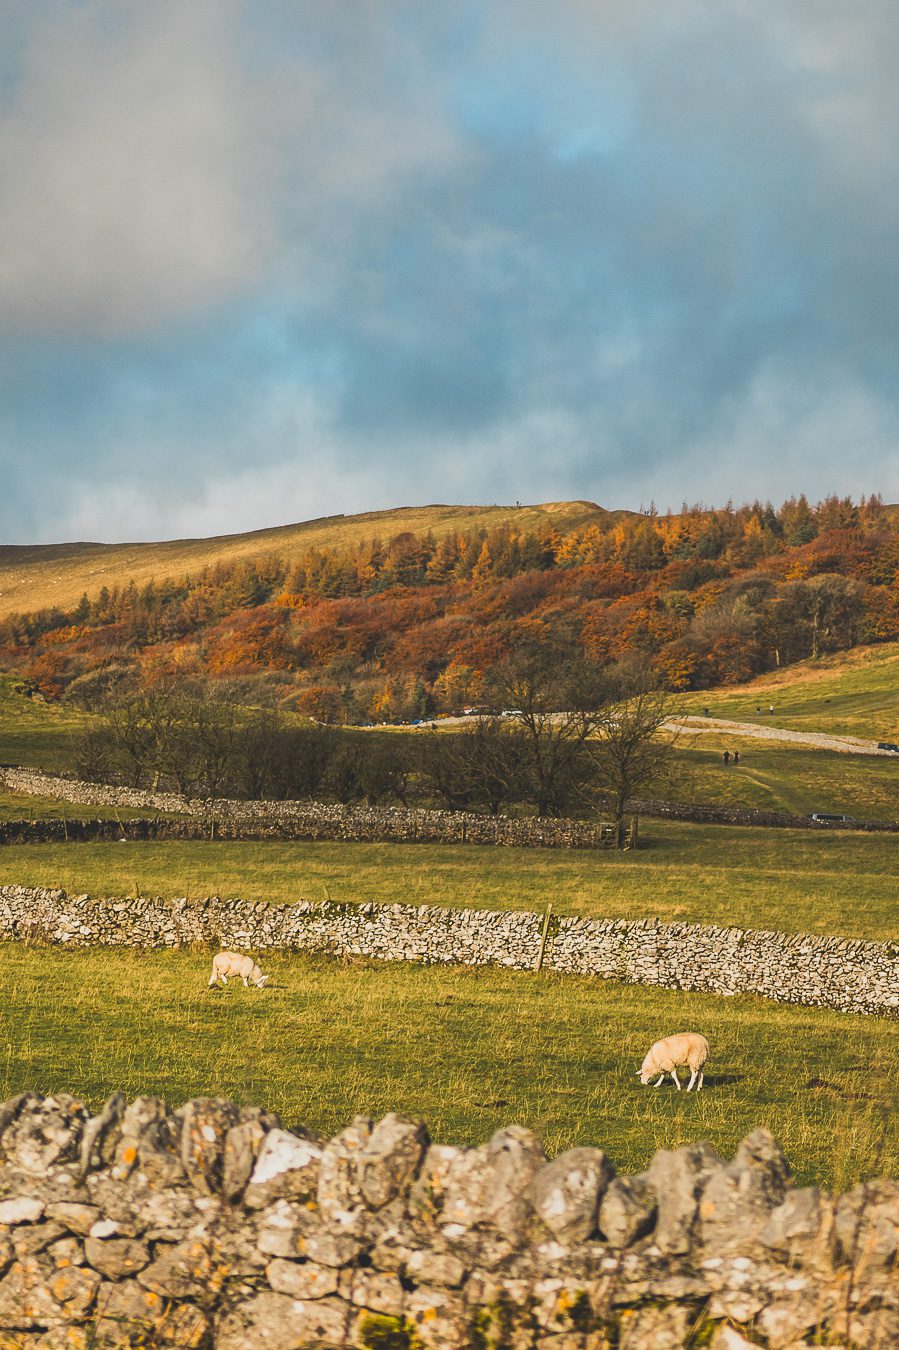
(658, 1082)
(699, 1084)
(676, 1079)
(224, 978)
(245, 985)
(692, 1079)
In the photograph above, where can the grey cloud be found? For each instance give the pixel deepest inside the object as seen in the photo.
(524, 250)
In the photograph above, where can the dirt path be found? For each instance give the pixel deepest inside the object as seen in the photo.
(845, 745)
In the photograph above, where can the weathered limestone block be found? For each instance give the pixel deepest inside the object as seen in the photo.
(566, 1192)
(29, 1239)
(867, 1225)
(737, 1200)
(192, 1269)
(655, 1328)
(243, 1143)
(489, 1186)
(21, 1209)
(301, 1279)
(287, 1165)
(35, 1292)
(440, 1319)
(121, 1206)
(167, 1215)
(278, 1322)
(44, 1131)
(205, 1125)
(115, 1258)
(373, 1290)
(678, 1179)
(628, 1210)
(97, 1129)
(801, 1228)
(788, 1320)
(368, 1166)
(74, 1216)
(128, 1315)
(425, 1265)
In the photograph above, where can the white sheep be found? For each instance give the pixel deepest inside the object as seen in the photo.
(241, 967)
(687, 1047)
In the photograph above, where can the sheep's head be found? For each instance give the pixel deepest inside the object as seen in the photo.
(261, 981)
(646, 1071)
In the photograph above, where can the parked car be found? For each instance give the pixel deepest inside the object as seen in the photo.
(830, 818)
(888, 745)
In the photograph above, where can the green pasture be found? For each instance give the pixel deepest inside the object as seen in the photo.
(853, 693)
(783, 777)
(557, 1054)
(33, 732)
(807, 881)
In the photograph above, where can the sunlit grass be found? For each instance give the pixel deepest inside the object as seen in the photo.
(468, 1050)
(794, 778)
(798, 880)
(854, 693)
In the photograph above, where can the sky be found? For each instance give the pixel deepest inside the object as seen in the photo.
(267, 260)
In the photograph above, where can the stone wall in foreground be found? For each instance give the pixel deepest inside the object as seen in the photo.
(213, 1226)
(847, 974)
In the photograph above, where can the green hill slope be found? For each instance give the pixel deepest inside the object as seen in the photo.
(853, 693)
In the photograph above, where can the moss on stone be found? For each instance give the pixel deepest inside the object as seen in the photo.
(378, 1331)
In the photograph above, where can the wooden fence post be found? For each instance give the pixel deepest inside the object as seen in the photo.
(543, 937)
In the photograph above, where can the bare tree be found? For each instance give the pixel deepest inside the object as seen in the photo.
(553, 699)
(631, 746)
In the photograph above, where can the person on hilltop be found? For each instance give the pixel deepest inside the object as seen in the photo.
(726, 757)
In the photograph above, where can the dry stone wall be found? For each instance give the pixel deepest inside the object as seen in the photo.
(213, 1226)
(226, 819)
(304, 819)
(846, 974)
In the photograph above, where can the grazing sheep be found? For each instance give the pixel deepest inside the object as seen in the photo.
(241, 967)
(685, 1048)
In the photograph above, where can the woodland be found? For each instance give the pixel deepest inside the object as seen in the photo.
(408, 627)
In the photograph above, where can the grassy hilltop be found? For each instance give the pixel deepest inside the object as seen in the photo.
(36, 576)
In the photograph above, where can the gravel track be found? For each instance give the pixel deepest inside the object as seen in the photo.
(843, 745)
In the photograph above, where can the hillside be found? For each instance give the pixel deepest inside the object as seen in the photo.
(41, 575)
(851, 693)
(367, 619)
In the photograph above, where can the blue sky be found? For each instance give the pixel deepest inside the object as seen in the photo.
(264, 261)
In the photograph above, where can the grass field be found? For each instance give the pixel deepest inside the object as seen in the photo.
(556, 1054)
(34, 733)
(785, 777)
(853, 693)
(842, 883)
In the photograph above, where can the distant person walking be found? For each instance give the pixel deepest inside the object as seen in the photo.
(758, 711)
(771, 709)
(706, 713)
(726, 758)
(736, 756)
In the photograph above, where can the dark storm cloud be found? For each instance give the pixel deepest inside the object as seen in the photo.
(262, 262)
